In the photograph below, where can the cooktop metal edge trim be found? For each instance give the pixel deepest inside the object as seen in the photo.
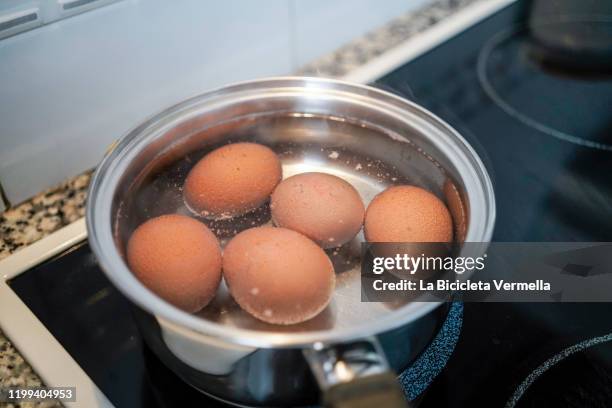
(31, 338)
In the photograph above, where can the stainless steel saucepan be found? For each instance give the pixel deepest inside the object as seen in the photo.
(371, 138)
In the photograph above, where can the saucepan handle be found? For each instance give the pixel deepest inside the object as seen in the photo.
(355, 375)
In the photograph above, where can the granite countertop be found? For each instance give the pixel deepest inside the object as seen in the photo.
(59, 206)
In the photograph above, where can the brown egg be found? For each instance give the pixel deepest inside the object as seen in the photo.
(323, 207)
(232, 180)
(178, 258)
(407, 214)
(278, 275)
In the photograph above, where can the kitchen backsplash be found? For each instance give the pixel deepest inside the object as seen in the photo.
(72, 86)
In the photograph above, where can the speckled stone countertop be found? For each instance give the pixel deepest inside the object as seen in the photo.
(59, 206)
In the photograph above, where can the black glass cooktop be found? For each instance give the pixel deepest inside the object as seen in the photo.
(545, 136)
(544, 131)
(542, 126)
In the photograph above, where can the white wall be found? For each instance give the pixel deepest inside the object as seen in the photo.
(68, 89)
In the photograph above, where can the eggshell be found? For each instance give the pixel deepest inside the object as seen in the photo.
(321, 206)
(407, 214)
(232, 180)
(278, 275)
(178, 258)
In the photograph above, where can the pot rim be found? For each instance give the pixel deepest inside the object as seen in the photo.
(99, 216)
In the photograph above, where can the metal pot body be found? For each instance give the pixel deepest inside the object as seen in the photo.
(310, 122)
(270, 377)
